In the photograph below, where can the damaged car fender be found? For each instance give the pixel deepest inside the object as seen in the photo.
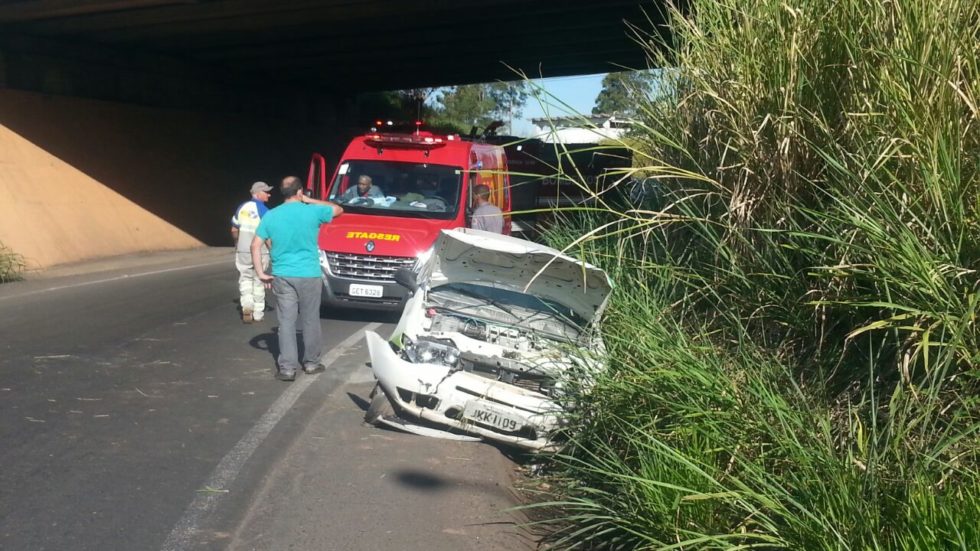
(495, 329)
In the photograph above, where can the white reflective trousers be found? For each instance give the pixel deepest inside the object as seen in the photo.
(250, 289)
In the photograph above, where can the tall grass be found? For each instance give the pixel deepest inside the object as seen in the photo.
(793, 343)
(11, 264)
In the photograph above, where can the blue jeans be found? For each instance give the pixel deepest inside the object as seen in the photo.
(298, 298)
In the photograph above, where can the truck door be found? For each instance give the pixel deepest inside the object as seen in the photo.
(316, 178)
(502, 182)
(470, 182)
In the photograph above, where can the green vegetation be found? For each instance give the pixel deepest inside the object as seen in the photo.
(793, 341)
(620, 91)
(452, 109)
(480, 104)
(11, 264)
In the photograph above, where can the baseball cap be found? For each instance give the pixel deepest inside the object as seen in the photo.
(260, 186)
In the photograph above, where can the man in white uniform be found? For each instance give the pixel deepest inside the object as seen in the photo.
(243, 225)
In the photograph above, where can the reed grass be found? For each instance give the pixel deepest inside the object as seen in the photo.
(792, 344)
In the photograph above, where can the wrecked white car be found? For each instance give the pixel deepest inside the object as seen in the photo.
(495, 329)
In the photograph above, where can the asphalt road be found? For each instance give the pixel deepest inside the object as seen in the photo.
(138, 412)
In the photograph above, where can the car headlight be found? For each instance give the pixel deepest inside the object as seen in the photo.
(431, 352)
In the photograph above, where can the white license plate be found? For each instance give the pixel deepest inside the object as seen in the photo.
(495, 417)
(373, 291)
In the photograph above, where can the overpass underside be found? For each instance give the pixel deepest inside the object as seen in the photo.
(138, 125)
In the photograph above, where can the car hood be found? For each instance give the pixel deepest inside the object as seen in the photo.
(471, 256)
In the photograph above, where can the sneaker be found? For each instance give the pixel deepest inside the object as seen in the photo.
(286, 375)
(247, 316)
(257, 319)
(310, 369)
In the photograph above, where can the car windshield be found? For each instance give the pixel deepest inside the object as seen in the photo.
(387, 188)
(524, 308)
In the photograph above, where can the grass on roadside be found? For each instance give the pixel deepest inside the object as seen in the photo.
(11, 265)
(793, 345)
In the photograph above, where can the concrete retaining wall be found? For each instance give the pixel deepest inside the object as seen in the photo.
(81, 179)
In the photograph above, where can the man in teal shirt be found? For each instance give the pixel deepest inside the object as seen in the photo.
(290, 231)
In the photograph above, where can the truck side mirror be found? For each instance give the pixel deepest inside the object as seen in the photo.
(406, 277)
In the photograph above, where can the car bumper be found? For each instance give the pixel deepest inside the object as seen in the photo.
(464, 401)
(336, 293)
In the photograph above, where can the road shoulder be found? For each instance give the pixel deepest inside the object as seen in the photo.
(115, 268)
(400, 491)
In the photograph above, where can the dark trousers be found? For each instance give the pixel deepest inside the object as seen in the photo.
(298, 301)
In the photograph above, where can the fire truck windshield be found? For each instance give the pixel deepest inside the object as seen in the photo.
(398, 189)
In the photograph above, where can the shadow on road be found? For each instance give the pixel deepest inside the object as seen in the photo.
(420, 480)
(270, 343)
(266, 341)
(358, 401)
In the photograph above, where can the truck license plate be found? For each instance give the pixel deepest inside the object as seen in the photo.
(373, 291)
(495, 417)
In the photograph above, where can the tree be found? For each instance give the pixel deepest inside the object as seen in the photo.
(478, 105)
(464, 106)
(453, 109)
(402, 106)
(619, 92)
(510, 98)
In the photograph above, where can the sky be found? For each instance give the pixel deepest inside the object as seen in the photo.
(578, 92)
(561, 96)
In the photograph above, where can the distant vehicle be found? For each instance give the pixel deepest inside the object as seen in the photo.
(494, 329)
(424, 185)
(545, 176)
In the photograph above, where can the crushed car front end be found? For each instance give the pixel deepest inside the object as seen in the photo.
(463, 400)
(489, 341)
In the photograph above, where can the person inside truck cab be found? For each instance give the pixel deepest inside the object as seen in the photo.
(365, 189)
(426, 194)
(428, 187)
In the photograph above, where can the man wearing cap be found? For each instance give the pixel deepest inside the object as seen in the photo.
(243, 225)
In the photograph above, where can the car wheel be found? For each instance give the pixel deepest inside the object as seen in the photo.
(380, 407)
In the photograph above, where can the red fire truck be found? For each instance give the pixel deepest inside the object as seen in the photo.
(423, 183)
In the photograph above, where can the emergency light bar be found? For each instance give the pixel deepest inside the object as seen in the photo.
(406, 141)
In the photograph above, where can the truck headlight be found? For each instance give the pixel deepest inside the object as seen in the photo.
(422, 258)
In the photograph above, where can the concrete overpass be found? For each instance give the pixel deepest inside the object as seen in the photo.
(129, 125)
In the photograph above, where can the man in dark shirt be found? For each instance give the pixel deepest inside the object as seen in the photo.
(365, 188)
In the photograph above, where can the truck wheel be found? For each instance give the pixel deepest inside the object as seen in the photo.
(380, 407)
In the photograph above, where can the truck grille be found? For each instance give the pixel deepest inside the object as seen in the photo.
(366, 267)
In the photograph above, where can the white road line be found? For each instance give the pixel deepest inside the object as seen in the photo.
(117, 278)
(181, 537)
